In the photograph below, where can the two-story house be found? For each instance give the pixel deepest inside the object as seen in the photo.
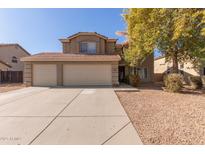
(10, 55)
(88, 58)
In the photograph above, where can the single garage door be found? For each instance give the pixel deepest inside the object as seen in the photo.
(44, 75)
(87, 74)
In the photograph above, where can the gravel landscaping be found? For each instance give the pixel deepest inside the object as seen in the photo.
(166, 118)
(5, 87)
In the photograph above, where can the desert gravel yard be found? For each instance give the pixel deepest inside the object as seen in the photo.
(5, 87)
(166, 118)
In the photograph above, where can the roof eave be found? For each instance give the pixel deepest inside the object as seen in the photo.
(112, 40)
(71, 59)
(160, 57)
(66, 60)
(88, 33)
(16, 44)
(5, 64)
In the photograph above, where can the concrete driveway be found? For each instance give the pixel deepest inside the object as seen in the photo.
(37, 115)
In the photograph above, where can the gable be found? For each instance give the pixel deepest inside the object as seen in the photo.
(13, 47)
(87, 34)
(9, 51)
(104, 45)
(85, 38)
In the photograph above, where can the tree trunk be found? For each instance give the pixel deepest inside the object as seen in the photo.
(175, 63)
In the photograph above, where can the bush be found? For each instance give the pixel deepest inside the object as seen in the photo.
(127, 79)
(134, 80)
(195, 82)
(203, 81)
(173, 82)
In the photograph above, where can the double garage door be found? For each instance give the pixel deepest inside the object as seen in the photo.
(72, 74)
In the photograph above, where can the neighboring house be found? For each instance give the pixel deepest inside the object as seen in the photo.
(10, 55)
(88, 58)
(187, 69)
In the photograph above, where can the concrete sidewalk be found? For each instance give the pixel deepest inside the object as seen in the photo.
(64, 116)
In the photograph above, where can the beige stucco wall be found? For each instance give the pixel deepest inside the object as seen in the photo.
(160, 66)
(110, 47)
(102, 46)
(28, 71)
(6, 54)
(189, 68)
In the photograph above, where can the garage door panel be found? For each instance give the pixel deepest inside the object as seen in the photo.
(44, 75)
(88, 74)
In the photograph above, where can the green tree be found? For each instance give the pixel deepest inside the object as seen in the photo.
(178, 33)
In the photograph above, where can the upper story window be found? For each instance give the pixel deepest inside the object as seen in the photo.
(88, 47)
(14, 59)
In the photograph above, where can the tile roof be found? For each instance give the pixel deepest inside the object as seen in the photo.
(70, 57)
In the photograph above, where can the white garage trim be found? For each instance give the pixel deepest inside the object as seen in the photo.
(44, 75)
(87, 74)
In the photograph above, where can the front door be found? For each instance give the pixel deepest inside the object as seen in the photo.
(121, 73)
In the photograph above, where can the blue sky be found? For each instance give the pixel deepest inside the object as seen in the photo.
(38, 30)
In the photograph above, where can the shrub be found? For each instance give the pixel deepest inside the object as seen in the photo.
(173, 82)
(203, 81)
(127, 79)
(195, 82)
(134, 80)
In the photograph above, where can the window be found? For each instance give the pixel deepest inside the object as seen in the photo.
(14, 59)
(88, 47)
(142, 72)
